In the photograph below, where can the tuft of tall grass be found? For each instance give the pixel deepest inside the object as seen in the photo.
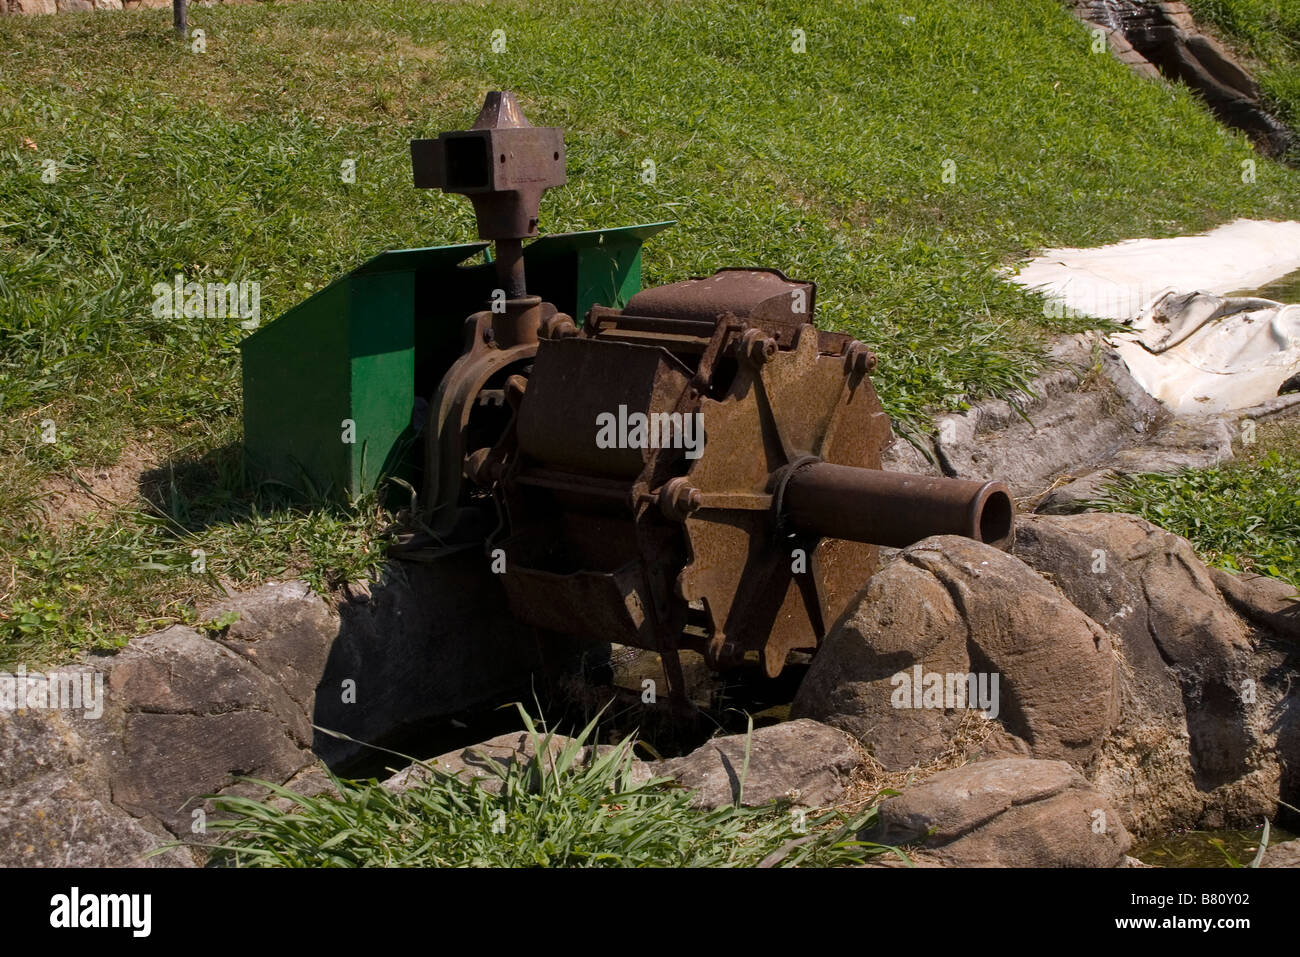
(1240, 517)
(563, 806)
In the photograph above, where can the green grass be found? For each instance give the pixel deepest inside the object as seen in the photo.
(1243, 515)
(90, 584)
(1268, 32)
(224, 165)
(553, 810)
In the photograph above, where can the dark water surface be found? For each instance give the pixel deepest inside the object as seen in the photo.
(1208, 848)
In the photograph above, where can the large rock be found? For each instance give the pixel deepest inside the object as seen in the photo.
(426, 642)
(905, 617)
(282, 630)
(1282, 855)
(1265, 602)
(430, 641)
(1209, 732)
(953, 607)
(484, 762)
(800, 761)
(1182, 444)
(183, 717)
(85, 6)
(189, 712)
(32, 6)
(1074, 417)
(1010, 812)
(1188, 718)
(56, 802)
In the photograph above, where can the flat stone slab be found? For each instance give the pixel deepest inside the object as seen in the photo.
(801, 761)
(1078, 416)
(1008, 812)
(1282, 855)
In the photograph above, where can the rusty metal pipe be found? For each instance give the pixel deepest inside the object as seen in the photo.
(894, 508)
(510, 268)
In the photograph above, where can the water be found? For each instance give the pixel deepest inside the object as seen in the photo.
(1286, 289)
(1207, 848)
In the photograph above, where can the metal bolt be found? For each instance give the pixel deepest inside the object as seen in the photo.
(480, 467)
(558, 326)
(679, 498)
(515, 388)
(859, 360)
(755, 346)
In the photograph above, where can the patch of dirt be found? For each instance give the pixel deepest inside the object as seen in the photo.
(970, 742)
(1278, 433)
(80, 493)
(407, 48)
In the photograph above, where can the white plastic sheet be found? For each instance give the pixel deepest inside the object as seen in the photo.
(1192, 347)
(1199, 353)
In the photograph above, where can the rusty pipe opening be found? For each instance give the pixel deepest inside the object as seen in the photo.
(894, 508)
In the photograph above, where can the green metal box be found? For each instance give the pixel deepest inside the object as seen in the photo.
(330, 387)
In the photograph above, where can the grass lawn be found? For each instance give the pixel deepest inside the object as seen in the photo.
(225, 165)
(1243, 515)
(1267, 32)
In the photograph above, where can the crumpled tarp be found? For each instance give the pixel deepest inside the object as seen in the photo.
(1200, 353)
(1192, 347)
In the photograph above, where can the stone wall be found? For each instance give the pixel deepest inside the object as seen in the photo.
(1158, 38)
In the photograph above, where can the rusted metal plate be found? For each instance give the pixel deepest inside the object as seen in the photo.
(700, 469)
(581, 396)
(759, 543)
(759, 295)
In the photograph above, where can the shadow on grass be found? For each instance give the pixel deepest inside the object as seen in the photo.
(197, 493)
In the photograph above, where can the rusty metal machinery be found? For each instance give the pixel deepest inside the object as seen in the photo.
(700, 469)
(503, 164)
